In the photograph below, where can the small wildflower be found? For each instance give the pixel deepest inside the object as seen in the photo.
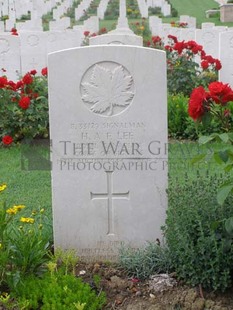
(0, 246)
(11, 211)
(19, 207)
(3, 187)
(15, 209)
(27, 220)
(42, 210)
(40, 226)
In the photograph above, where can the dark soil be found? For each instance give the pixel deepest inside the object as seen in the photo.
(131, 294)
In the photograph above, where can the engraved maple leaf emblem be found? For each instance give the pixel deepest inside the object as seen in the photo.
(107, 89)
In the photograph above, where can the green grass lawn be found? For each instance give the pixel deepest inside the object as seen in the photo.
(197, 8)
(31, 188)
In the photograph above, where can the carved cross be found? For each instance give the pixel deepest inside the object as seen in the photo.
(110, 196)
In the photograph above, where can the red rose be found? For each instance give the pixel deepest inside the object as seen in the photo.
(24, 103)
(204, 64)
(3, 81)
(44, 71)
(27, 79)
(86, 33)
(12, 85)
(14, 34)
(19, 84)
(196, 108)
(218, 64)
(168, 48)
(148, 43)
(179, 46)
(7, 140)
(209, 58)
(156, 39)
(33, 72)
(220, 93)
(203, 54)
(174, 38)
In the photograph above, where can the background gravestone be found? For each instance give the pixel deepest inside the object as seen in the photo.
(108, 121)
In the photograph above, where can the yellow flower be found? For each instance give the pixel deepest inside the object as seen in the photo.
(42, 210)
(15, 209)
(0, 245)
(19, 207)
(11, 211)
(142, 28)
(27, 220)
(3, 187)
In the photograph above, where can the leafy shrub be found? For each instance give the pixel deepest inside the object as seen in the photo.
(177, 115)
(24, 242)
(183, 71)
(196, 231)
(180, 126)
(57, 291)
(24, 107)
(144, 262)
(174, 12)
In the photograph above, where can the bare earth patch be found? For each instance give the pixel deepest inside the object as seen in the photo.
(125, 293)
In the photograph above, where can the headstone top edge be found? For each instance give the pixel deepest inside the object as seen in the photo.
(100, 47)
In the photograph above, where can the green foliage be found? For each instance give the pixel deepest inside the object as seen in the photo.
(67, 259)
(199, 233)
(112, 11)
(222, 157)
(28, 122)
(92, 10)
(57, 291)
(23, 243)
(141, 28)
(46, 18)
(144, 262)
(180, 126)
(132, 9)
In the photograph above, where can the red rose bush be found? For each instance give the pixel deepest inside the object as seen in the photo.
(215, 103)
(23, 107)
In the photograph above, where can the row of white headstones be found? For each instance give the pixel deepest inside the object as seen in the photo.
(15, 9)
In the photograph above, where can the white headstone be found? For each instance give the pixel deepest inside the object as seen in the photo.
(109, 135)
(207, 25)
(33, 50)
(10, 55)
(91, 24)
(155, 25)
(209, 39)
(166, 9)
(143, 8)
(226, 57)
